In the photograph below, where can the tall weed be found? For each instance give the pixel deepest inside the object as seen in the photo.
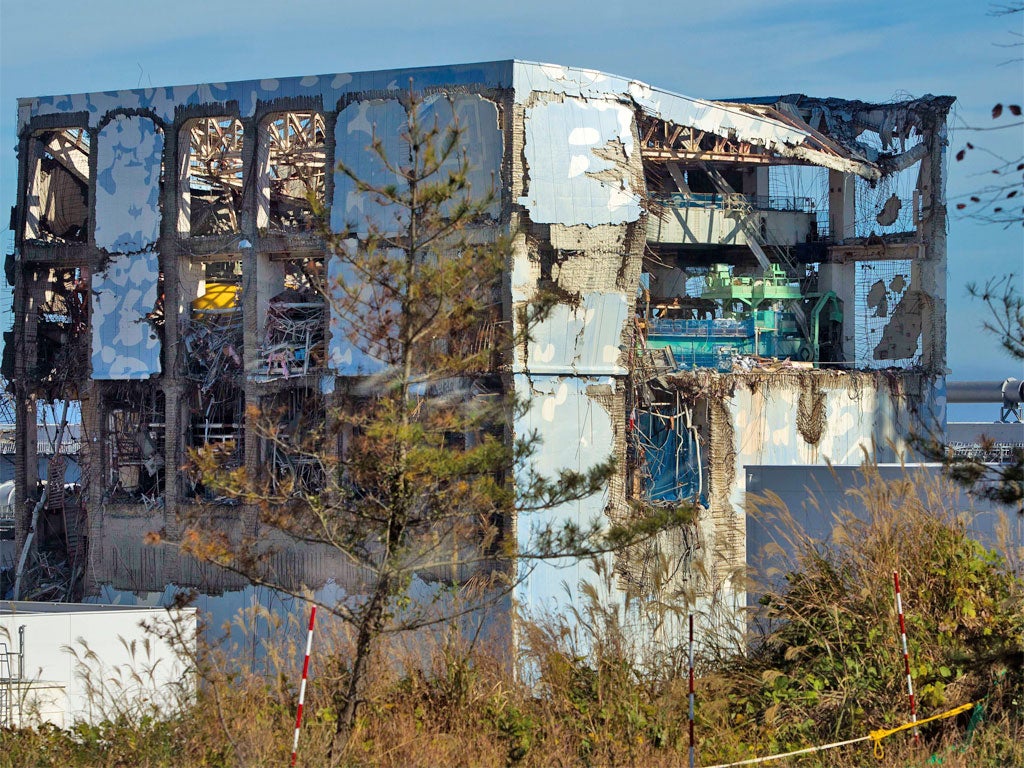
(822, 664)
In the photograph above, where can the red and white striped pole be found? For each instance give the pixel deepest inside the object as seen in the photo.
(691, 693)
(906, 654)
(302, 688)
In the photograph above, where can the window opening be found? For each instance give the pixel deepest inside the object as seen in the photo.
(57, 198)
(292, 448)
(217, 423)
(889, 206)
(211, 180)
(889, 315)
(293, 339)
(292, 170)
(55, 565)
(212, 362)
(709, 317)
(61, 297)
(135, 431)
(212, 335)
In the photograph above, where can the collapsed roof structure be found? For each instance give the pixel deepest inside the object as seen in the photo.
(750, 281)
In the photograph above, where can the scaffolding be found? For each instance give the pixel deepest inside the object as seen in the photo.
(12, 676)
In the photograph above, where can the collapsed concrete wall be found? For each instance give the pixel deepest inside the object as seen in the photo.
(578, 181)
(190, 254)
(792, 418)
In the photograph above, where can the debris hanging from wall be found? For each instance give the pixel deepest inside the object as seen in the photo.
(293, 341)
(134, 439)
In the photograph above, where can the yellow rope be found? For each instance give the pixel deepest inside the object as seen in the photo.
(804, 751)
(876, 736)
(881, 733)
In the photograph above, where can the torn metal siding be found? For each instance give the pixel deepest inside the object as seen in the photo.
(840, 417)
(481, 141)
(583, 339)
(127, 208)
(357, 127)
(124, 343)
(582, 189)
(576, 171)
(784, 138)
(836, 421)
(344, 356)
(792, 419)
(574, 431)
(577, 154)
(129, 151)
(845, 120)
(525, 77)
(385, 119)
(249, 94)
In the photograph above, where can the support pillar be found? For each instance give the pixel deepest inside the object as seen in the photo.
(842, 206)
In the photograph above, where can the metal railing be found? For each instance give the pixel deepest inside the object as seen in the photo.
(12, 674)
(7, 517)
(735, 200)
(997, 453)
(710, 329)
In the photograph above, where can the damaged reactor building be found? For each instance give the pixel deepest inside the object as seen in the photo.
(752, 281)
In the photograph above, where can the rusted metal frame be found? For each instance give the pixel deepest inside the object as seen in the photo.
(299, 141)
(64, 254)
(141, 413)
(298, 253)
(61, 146)
(826, 144)
(884, 251)
(722, 145)
(300, 131)
(290, 150)
(688, 143)
(287, 332)
(210, 141)
(77, 137)
(649, 135)
(656, 154)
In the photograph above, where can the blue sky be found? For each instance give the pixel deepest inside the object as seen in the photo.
(868, 50)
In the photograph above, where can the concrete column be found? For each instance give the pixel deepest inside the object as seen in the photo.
(842, 208)
(261, 174)
(269, 282)
(841, 278)
(33, 199)
(91, 461)
(182, 200)
(174, 396)
(931, 186)
(179, 290)
(755, 181)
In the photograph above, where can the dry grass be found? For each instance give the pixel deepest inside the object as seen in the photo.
(826, 667)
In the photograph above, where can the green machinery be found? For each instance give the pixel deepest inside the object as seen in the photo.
(753, 322)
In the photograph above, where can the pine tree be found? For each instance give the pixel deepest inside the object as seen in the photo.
(429, 479)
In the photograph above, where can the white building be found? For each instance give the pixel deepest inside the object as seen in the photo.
(63, 663)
